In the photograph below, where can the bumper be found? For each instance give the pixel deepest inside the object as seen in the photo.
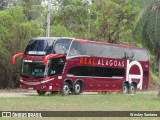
(45, 85)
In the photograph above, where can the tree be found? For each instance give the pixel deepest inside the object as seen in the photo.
(103, 20)
(72, 14)
(32, 9)
(147, 28)
(7, 3)
(116, 20)
(3, 4)
(15, 32)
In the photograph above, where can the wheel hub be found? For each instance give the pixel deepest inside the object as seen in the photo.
(77, 88)
(65, 89)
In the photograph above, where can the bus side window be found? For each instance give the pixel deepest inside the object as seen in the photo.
(73, 52)
(52, 70)
(96, 71)
(56, 66)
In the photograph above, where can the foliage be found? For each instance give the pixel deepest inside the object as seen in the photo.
(15, 31)
(7, 3)
(61, 31)
(117, 20)
(103, 20)
(32, 9)
(72, 16)
(147, 28)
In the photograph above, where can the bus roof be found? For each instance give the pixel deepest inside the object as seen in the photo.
(48, 38)
(110, 44)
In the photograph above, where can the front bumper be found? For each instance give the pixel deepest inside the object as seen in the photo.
(45, 85)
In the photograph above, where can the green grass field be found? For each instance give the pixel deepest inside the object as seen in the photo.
(142, 101)
(98, 102)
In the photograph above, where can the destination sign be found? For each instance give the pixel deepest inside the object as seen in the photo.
(36, 52)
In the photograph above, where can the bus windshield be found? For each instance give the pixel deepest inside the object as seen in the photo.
(39, 47)
(62, 46)
(32, 68)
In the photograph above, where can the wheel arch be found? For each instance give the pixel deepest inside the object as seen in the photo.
(125, 82)
(135, 84)
(70, 82)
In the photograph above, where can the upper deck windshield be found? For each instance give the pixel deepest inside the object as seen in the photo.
(33, 68)
(62, 46)
(41, 47)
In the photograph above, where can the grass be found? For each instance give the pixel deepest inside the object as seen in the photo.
(143, 101)
(154, 82)
(108, 102)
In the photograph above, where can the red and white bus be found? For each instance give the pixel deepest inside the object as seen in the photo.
(55, 64)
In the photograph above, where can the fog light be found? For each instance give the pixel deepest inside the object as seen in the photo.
(21, 80)
(50, 87)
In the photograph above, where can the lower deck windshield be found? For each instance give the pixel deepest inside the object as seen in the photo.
(32, 68)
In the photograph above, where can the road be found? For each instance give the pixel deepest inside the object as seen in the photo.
(16, 93)
(26, 93)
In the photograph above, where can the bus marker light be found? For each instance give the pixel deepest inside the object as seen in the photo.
(59, 77)
(50, 87)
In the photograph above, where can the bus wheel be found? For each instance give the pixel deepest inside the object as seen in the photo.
(65, 88)
(125, 88)
(77, 88)
(132, 89)
(41, 92)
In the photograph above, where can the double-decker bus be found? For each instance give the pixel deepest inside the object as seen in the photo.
(67, 65)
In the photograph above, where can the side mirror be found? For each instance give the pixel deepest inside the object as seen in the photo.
(51, 56)
(15, 56)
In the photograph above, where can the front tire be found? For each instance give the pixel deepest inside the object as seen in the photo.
(125, 88)
(65, 88)
(41, 92)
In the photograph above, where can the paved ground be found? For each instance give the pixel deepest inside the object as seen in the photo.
(16, 93)
(26, 93)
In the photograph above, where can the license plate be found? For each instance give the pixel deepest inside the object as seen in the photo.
(30, 88)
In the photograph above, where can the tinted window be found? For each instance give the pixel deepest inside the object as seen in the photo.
(32, 68)
(90, 49)
(62, 46)
(56, 66)
(140, 55)
(96, 71)
(39, 47)
(98, 50)
(107, 51)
